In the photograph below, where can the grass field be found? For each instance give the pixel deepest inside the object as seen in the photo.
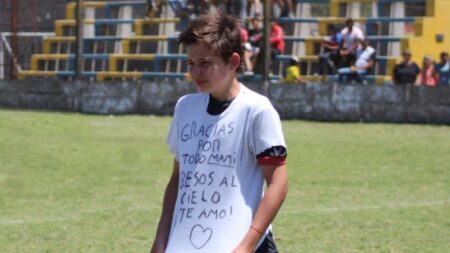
(81, 183)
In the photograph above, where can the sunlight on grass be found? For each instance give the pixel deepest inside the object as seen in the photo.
(83, 183)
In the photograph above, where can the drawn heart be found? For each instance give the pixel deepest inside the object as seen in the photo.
(200, 236)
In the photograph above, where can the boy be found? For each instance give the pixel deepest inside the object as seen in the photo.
(443, 69)
(226, 140)
(253, 46)
(351, 35)
(365, 60)
(329, 57)
(293, 72)
(407, 71)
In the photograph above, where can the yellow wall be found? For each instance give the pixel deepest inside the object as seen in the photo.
(437, 22)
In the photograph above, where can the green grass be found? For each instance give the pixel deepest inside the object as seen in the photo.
(81, 183)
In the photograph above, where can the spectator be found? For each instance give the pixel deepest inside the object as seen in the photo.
(443, 69)
(406, 72)
(152, 8)
(237, 8)
(345, 61)
(329, 57)
(427, 75)
(181, 10)
(215, 7)
(244, 35)
(244, 38)
(351, 35)
(293, 72)
(253, 46)
(365, 59)
(276, 40)
(281, 8)
(256, 8)
(178, 6)
(197, 7)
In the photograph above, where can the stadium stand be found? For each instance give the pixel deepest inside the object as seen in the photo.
(116, 44)
(121, 44)
(306, 31)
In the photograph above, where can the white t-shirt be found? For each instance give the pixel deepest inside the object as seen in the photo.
(351, 38)
(364, 56)
(220, 183)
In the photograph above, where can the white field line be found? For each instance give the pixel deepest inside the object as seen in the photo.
(368, 207)
(283, 211)
(74, 216)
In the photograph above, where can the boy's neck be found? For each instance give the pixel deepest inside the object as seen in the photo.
(228, 93)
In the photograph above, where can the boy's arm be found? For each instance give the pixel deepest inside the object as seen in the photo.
(170, 196)
(277, 188)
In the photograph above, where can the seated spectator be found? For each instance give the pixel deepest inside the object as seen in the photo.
(152, 7)
(443, 69)
(244, 35)
(276, 40)
(365, 59)
(281, 8)
(197, 7)
(256, 8)
(214, 7)
(181, 10)
(427, 75)
(351, 35)
(345, 61)
(293, 72)
(329, 57)
(178, 6)
(406, 72)
(237, 8)
(253, 45)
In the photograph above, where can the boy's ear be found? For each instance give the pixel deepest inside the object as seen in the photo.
(235, 60)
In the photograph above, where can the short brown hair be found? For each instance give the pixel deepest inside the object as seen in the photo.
(219, 32)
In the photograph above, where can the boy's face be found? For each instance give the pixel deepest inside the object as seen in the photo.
(406, 57)
(349, 24)
(208, 71)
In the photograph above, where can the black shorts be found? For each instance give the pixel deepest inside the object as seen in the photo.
(268, 245)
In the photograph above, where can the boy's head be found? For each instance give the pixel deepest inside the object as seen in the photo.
(406, 55)
(349, 23)
(444, 57)
(332, 29)
(218, 32)
(427, 61)
(294, 60)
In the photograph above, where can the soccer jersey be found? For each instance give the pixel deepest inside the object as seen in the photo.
(220, 181)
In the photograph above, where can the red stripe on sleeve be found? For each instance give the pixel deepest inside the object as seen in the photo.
(272, 161)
